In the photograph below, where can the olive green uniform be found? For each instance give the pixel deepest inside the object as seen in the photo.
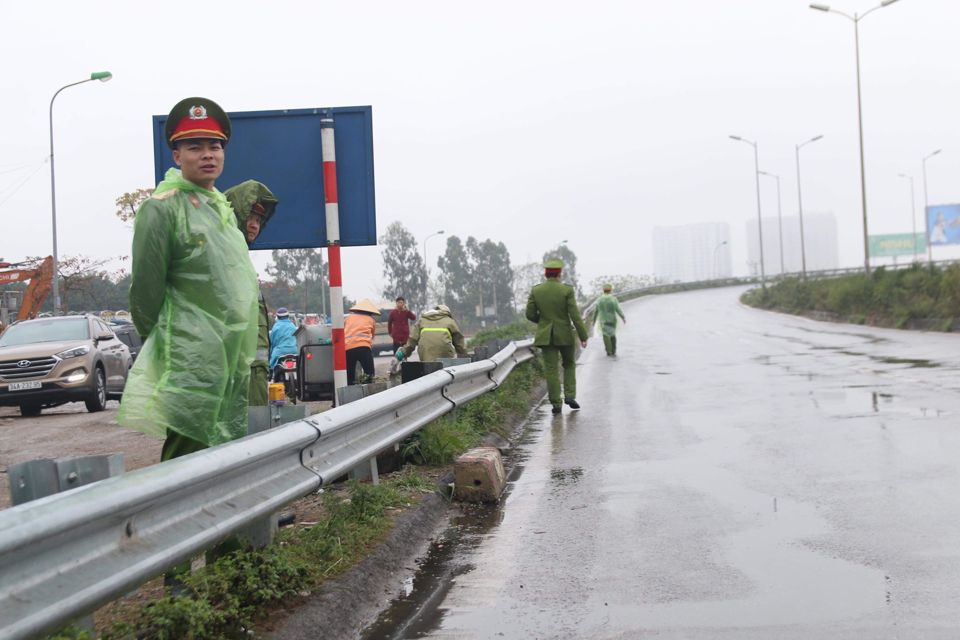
(553, 306)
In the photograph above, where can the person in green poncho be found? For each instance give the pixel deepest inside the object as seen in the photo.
(193, 296)
(254, 204)
(608, 308)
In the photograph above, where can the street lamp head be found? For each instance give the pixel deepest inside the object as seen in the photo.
(102, 76)
(441, 231)
(887, 2)
(936, 152)
(820, 7)
(736, 138)
(816, 138)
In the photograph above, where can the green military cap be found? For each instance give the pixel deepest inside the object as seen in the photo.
(196, 118)
(553, 263)
(607, 287)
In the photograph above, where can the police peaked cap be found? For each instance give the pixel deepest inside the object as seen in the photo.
(196, 118)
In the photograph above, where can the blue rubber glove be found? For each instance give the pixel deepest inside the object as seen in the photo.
(400, 355)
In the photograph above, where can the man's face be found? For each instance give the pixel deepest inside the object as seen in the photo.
(401, 304)
(252, 225)
(200, 160)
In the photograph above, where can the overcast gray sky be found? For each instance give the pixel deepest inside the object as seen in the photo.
(526, 122)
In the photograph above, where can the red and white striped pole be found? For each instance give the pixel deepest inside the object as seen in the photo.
(332, 212)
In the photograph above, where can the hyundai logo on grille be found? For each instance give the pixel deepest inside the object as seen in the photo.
(23, 363)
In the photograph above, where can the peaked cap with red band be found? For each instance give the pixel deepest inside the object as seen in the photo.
(196, 118)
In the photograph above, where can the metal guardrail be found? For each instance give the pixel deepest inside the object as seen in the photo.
(65, 555)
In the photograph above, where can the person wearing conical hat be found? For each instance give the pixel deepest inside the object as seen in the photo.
(608, 308)
(358, 329)
(193, 296)
(438, 336)
(552, 305)
(253, 205)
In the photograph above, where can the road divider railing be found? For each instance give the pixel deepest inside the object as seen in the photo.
(65, 555)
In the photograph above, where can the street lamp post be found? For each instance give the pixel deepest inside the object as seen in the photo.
(856, 18)
(756, 164)
(803, 246)
(102, 76)
(779, 217)
(913, 213)
(926, 204)
(716, 271)
(426, 267)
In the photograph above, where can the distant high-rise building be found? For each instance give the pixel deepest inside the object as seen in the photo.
(692, 252)
(820, 234)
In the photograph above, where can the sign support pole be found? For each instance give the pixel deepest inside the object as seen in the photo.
(332, 211)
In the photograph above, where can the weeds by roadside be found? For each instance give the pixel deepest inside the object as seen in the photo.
(924, 295)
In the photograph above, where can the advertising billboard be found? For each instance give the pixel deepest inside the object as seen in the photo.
(943, 224)
(282, 150)
(897, 244)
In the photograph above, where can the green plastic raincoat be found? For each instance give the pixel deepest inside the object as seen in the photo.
(193, 294)
(608, 308)
(242, 198)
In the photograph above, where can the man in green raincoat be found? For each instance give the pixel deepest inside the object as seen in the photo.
(254, 204)
(438, 335)
(193, 296)
(553, 306)
(608, 308)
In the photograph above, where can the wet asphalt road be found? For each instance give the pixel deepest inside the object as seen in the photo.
(733, 474)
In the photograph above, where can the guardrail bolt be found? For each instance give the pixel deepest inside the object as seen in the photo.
(72, 477)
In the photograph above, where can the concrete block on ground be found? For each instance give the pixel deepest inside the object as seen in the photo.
(478, 475)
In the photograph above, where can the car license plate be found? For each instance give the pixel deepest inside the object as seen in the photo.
(21, 386)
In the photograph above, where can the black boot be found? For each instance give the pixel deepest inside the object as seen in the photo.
(573, 404)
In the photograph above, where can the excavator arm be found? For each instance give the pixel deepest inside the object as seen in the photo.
(41, 281)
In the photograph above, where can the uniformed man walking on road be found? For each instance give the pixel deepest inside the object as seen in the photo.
(553, 306)
(253, 205)
(608, 308)
(193, 295)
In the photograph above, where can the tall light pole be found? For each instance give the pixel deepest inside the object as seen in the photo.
(913, 213)
(756, 165)
(426, 286)
(715, 249)
(803, 246)
(779, 217)
(856, 18)
(926, 204)
(102, 76)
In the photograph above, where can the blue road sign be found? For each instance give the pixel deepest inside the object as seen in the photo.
(282, 150)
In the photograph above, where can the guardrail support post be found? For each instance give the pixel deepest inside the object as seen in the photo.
(37, 479)
(261, 533)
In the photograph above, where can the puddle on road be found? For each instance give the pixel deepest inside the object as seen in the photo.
(913, 362)
(565, 476)
(858, 401)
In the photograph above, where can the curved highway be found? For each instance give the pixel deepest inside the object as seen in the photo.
(733, 473)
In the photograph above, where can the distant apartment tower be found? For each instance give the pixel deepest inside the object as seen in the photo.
(692, 252)
(820, 235)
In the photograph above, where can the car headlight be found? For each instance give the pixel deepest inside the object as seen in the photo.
(73, 353)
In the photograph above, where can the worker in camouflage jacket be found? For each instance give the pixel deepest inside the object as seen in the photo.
(253, 205)
(435, 335)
